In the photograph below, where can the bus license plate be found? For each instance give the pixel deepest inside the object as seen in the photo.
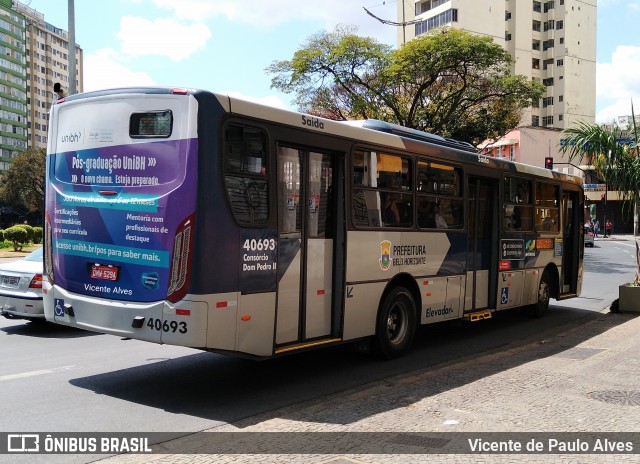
(104, 272)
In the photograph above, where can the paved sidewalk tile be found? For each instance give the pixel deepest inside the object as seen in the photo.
(571, 383)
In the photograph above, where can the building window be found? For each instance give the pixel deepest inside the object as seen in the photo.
(535, 120)
(512, 152)
(559, 24)
(547, 120)
(560, 118)
(537, 6)
(507, 36)
(549, 25)
(548, 81)
(507, 15)
(536, 25)
(546, 63)
(560, 62)
(561, 40)
(447, 17)
(561, 98)
(547, 44)
(535, 45)
(546, 101)
(535, 63)
(422, 7)
(548, 6)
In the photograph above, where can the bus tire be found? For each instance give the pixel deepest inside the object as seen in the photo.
(396, 323)
(544, 295)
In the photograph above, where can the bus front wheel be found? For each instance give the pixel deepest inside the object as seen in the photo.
(544, 295)
(396, 323)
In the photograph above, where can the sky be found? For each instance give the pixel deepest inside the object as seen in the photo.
(225, 45)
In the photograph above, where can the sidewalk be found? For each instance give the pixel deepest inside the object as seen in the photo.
(616, 237)
(583, 380)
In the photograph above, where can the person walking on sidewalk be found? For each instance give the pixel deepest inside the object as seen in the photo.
(596, 228)
(607, 228)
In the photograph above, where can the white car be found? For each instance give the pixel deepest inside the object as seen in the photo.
(21, 288)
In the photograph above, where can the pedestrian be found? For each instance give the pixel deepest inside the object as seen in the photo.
(607, 228)
(596, 228)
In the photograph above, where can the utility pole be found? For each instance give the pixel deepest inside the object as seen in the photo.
(72, 48)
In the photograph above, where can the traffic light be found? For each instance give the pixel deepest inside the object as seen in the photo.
(548, 162)
(603, 199)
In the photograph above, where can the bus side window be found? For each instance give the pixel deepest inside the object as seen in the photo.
(382, 190)
(547, 207)
(439, 196)
(518, 209)
(245, 169)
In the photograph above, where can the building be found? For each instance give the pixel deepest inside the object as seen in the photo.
(47, 48)
(13, 85)
(553, 42)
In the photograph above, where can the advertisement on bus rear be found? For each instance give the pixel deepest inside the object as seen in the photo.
(117, 213)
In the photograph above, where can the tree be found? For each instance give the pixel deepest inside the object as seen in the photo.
(448, 82)
(23, 182)
(612, 152)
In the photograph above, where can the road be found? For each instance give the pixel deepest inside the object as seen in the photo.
(59, 379)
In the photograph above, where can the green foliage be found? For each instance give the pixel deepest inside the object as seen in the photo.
(615, 162)
(448, 82)
(38, 234)
(29, 229)
(1, 236)
(17, 235)
(614, 157)
(23, 182)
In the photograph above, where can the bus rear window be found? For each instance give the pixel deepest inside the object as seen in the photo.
(150, 124)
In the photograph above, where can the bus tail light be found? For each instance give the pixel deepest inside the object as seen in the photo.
(180, 272)
(48, 249)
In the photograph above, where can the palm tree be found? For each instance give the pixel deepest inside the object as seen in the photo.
(612, 152)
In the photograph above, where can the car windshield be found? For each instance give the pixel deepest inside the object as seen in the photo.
(34, 255)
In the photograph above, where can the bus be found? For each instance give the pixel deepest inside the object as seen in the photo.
(185, 217)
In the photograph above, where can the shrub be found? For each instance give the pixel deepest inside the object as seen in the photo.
(29, 230)
(1, 236)
(38, 234)
(17, 235)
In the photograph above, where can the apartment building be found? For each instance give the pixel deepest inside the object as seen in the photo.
(13, 86)
(47, 53)
(553, 42)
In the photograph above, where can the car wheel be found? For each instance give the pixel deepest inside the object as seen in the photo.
(396, 323)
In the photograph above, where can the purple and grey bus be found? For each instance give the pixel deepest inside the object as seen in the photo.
(191, 218)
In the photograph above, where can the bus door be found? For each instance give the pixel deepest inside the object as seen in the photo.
(482, 249)
(308, 279)
(573, 221)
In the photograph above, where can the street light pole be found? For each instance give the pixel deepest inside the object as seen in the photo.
(72, 48)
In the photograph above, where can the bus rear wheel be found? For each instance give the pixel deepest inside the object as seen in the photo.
(544, 295)
(396, 323)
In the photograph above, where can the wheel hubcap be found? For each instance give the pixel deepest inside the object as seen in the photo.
(396, 323)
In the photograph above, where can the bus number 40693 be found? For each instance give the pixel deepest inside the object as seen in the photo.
(166, 326)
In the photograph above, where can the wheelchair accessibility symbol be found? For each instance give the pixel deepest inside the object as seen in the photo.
(504, 298)
(59, 307)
